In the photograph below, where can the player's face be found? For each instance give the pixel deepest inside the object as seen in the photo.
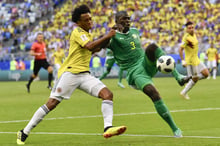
(40, 38)
(125, 21)
(190, 29)
(85, 21)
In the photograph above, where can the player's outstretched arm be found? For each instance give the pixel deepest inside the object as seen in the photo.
(97, 43)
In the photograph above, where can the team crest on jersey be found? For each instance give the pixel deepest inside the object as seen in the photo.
(134, 36)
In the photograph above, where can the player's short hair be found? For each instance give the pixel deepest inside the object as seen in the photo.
(77, 12)
(188, 23)
(120, 14)
(40, 33)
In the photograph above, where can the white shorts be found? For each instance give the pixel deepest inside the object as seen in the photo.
(68, 82)
(195, 70)
(211, 64)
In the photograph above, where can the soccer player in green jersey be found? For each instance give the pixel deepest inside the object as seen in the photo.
(140, 65)
(109, 62)
(74, 73)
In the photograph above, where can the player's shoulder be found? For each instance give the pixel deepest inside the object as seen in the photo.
(78, 30)
(134, 29)
(34, 44)
(186, 35)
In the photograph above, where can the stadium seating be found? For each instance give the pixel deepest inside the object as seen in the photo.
(158, 21)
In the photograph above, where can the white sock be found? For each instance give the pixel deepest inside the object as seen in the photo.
(37, 117)
(214, 73)
(107, 112)
(188, 86)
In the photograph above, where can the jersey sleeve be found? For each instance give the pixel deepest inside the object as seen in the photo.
(110, 44)
(81, 37)
(207, 51)
(184, 42)
(33, 47)
(136, 31)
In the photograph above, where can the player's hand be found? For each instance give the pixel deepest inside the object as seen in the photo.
(37, 54)
(183, 63)
(111, 33)
(118, 27)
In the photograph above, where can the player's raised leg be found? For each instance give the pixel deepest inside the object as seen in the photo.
(154, 52)
(162, 109)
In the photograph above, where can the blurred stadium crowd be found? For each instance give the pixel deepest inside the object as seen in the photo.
(160, 21)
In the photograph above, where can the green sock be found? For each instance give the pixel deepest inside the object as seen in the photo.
(120, 74)
(177, 75)
(103, 75)
(163, 111)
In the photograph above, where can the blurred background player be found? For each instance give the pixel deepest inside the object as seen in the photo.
(212, 55)
(194, 66)
(38, 50)
(96, 65)
(202, 57)
(57, 57)
(109, 62)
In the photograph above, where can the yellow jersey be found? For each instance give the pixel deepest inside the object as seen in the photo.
(211, 54)
(191, 46)
(58, 57)
(78, 58)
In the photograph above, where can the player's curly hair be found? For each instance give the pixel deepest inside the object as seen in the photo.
(82, 9)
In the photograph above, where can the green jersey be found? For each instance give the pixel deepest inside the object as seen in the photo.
(126, 48)
(109, 53)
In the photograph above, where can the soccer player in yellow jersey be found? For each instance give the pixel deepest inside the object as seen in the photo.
(212, 55)
(194, 67)
(58, 57)
(74, 73)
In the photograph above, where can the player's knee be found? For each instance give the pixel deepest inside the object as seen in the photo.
(33, 76)
(151, 91)
(108, 70)
(106, 94)
(150, 51)
(50, 69)
(152, 47)
(206, 74)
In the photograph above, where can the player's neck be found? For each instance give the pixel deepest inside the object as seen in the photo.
(191, 33)
(125, 30)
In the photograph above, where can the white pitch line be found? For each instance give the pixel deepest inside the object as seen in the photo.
(99, 134)
(126, 114)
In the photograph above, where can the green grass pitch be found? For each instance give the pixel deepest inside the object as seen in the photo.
(78, 121)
